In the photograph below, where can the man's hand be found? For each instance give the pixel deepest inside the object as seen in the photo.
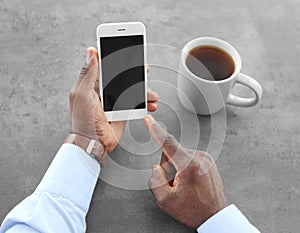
(186, 184)
(87, 115)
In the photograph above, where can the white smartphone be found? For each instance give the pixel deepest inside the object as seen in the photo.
(123, 73)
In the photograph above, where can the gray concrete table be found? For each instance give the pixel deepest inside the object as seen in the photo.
(42, 46)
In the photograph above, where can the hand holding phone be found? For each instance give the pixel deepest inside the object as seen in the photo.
(87, 115)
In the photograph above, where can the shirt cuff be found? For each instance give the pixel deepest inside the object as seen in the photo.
(73, 174)
(228, 220)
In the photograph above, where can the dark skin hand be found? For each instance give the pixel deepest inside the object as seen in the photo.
(87, 115)
(186, 184)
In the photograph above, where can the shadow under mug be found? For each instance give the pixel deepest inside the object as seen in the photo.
(206, 97)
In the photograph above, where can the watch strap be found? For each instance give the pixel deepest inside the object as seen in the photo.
(90, 146)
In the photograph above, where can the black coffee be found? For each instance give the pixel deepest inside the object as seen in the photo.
(210, 63)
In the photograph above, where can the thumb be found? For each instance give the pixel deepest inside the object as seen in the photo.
(89, 73)
(159, 184)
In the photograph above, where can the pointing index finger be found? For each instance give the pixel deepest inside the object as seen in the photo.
(169, 145)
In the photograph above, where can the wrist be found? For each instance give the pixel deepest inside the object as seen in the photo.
(90, 146)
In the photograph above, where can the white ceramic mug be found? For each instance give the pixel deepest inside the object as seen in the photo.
(208, 97)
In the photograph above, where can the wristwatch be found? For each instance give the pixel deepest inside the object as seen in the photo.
(91, 146)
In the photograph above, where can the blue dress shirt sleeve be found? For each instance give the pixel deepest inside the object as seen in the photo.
(62, 199)
(228, 220)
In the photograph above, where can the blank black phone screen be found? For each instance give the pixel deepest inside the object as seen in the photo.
(123, 72)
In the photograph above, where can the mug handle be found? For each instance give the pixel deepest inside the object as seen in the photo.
(246, 102)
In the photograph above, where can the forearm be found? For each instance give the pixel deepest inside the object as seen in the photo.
(61, 201)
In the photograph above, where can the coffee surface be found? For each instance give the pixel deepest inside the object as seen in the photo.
(210, 63)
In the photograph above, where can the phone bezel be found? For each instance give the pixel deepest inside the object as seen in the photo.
(129, 29)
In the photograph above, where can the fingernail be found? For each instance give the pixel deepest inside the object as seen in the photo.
(150, 118)
(155, 166)
(89, 55)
